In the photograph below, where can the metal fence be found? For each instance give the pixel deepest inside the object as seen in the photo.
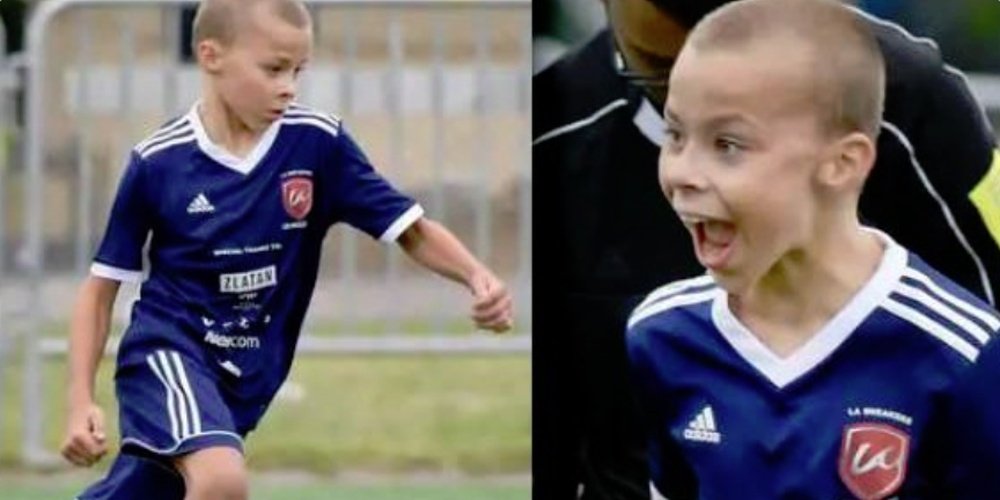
(437, 93)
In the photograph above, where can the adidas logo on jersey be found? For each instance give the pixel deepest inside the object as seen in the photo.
(702, 428)
(200, 205)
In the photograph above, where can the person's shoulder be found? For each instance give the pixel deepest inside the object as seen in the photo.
(677, 298)
(578, 85)
(953, 319)
(303, 118)
(175, 133)
(908, 57)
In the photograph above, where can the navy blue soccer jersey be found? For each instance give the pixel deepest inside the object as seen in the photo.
(897, 396)
(234, 244)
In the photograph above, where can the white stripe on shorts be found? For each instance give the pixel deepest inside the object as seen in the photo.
(181, 400)
(171, 404)
(186, 389)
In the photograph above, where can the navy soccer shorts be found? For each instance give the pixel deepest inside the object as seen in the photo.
(169, 406)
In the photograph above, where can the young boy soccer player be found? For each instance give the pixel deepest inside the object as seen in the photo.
(818, 358)
(237, 195)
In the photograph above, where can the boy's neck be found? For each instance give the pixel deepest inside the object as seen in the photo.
(800, 294)
(225, 128)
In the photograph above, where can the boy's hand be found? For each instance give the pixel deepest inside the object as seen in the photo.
(492, 308)
(85, 441)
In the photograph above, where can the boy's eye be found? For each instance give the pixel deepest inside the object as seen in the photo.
(728, 146)
(672, 137)
(273, 69)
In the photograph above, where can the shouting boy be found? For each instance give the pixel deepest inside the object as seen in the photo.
(817, 358)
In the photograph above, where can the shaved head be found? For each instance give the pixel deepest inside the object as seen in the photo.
(222, 20)
(846, 70)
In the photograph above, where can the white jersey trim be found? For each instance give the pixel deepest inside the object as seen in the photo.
(783, 371)
(988, 317)
(402, 223)
(926, 300)
(172, 449)
(308, 120)
(945, 210)
(935, 329)
(115, 273)
(162, 132)
(569, 127)
(242, 165)
(671, 289)
(297, 110)
(188, 136)
(678, 300)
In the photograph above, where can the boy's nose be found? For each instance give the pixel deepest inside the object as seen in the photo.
(287, 89)
(677, 172)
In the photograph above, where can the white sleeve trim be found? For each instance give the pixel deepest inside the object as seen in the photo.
(115, 273)
(402, 223)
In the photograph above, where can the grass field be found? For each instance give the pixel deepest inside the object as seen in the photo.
(389, 417)
(39, 489)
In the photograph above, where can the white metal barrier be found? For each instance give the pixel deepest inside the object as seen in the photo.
(102, 73)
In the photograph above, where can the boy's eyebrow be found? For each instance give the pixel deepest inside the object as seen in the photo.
(723, 120)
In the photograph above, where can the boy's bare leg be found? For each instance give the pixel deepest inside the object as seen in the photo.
(216, 473)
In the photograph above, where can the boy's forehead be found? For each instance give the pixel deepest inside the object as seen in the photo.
(266, 27)
(759, 77)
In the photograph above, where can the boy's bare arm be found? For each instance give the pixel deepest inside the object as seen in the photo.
(85, 438)
(436, 248)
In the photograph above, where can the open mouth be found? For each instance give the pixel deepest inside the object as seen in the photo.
(714, 240)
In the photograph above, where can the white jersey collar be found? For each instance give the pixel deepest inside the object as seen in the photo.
(783, 371)
(224, 157)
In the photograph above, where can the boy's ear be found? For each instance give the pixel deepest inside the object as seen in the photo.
(209, 53)
(851, 159)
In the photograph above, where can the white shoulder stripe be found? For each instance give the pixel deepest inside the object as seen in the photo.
(945, 210)
(300, 112)
(556, 132)
(168, 144)
(988, 318)
(163, 139)
(672, 302)
(163, 132)
(944, 311)
(672, 288)
(935, 329)
(311, 121)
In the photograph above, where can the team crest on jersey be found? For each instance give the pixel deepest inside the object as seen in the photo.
(873, 459)
(297, 196)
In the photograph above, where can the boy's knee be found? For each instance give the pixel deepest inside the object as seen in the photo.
(214, 474)
(219, 484)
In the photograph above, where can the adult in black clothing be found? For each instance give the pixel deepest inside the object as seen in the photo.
(605, 235)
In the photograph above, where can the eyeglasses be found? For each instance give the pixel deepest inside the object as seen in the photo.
(656, 82)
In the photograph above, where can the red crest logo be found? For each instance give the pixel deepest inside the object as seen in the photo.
(297, 196)
(873, 459)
